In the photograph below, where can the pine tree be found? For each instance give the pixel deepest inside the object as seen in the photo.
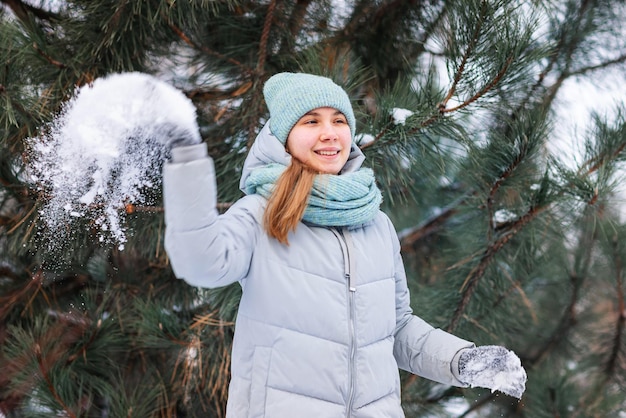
(505, 240)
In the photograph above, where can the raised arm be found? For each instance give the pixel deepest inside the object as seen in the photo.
(205, 249)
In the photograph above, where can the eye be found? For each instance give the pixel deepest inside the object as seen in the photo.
(307, 121)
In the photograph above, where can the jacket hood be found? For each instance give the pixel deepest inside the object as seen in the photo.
(267, 149)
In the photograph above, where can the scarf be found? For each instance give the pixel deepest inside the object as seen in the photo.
(349, 199)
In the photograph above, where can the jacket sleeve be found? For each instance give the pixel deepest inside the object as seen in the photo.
(420, 348)
(204, 248)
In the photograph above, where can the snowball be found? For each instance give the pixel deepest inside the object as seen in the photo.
(493, 367)
(105, 148)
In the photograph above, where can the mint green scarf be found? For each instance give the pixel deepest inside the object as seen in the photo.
(349, 199)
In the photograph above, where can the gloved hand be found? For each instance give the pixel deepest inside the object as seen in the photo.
(172, 136)
(493, 367)
(175, 142)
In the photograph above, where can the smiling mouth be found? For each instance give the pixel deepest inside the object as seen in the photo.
(327, 153)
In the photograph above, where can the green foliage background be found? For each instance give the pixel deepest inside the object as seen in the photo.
(506, 241)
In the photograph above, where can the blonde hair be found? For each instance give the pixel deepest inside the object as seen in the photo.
(288, 201)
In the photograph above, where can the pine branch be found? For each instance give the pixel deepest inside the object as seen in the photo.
(185, 38)
(373, 15)
(257, 96)
(506, 233)
(488, 87)
(564, 47)
(595, 163)
(217, 95)
(498, 183)
(296, 21)
(441, 107)
(265, 34)
(409, 236)
(11, 299)
(22, 10)
(7, 272)
(427, 122)
(435, 23)
(21, 220)
(4, 221)
(611, 368)
(515, 286)
(603, 65)
(477, 404)
(566, 323)
(466, 56)
(43, 369)
(112, 25)
(21, 110)
(473, 278)
(620, 323)
(509, 231)
(457, 78)
(377, 138)
(366, 15)
(48, 349)
(48, 58)
(569, 48)
(532, 92)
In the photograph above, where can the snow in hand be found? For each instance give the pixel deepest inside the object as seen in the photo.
(493, 367)
(105, 149)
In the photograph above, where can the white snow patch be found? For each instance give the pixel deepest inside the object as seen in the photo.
(400, 115)
(504, 215)
(105, 149)
(364, 139)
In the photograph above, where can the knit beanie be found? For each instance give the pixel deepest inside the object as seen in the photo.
(290, 95)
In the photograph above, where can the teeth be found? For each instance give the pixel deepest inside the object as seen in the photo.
(328, 152)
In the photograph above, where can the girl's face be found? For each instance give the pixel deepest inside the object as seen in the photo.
(321, 140)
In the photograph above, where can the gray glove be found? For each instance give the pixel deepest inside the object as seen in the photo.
(493, 367)
(177, 143)
(172, 136)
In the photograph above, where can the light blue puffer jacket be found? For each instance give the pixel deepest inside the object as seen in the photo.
(324, 323)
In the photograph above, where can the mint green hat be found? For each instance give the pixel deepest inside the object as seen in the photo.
(290, 95)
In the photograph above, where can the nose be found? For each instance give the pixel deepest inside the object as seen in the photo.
(328, 133)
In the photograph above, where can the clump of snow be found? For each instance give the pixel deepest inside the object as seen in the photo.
(399, 115)
(493, 367)
(364, 139)
(105, 149)
(504, 215)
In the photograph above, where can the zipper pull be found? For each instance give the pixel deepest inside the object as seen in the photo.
(349, 280)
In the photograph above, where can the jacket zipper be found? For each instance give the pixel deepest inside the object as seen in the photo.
(346, 243)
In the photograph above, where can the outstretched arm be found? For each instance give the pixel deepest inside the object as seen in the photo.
(437, 355)
(419, 347)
